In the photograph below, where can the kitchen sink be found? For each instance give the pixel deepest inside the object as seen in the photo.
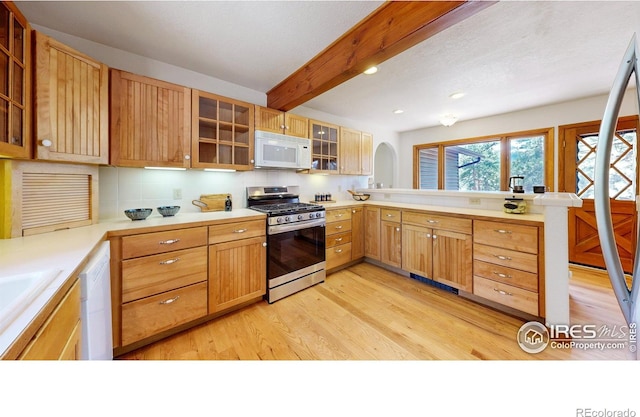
(17, 292)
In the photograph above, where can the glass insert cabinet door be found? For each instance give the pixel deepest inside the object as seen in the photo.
(324, 140)
(222, 132)
(14, 60)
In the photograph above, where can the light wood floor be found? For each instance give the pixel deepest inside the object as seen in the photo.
(368, 313)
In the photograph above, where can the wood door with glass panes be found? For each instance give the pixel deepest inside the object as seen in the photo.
(15, 83)
(324, 145)
(577, 161)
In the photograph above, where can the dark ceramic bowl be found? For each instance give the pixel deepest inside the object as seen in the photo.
(361, 197)
(138, 214)
(168, 211)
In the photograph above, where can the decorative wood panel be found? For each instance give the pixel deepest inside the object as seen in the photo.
(372, 232)
(357, 233)
(150, 122)
(71, 102)
(417, 256)
(391, 243)
(48, 196)
(350, 150)
(453, 259)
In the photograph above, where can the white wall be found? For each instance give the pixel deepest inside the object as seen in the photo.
(570, 112)
(123, 188)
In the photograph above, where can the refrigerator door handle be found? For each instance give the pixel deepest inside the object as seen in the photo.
(627, 298)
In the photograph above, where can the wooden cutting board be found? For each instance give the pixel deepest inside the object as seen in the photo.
(211, 202)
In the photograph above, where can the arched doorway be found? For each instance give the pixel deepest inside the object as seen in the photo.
(384, 166)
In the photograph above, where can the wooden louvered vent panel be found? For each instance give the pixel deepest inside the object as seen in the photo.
(55, 201)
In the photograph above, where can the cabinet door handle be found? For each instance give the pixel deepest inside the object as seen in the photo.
(338, 251)
(169, 242)
(239, 230)
(339, 239)
(502, 292)
(169, 261)
(353, 211)
(390, 215)
(433, 221)
(170, 300)
(501, 275)
(428, 235)
(397, 229)
(503, 258)
(264, 244)
(435, 236)
(502, 231)
(339, 214)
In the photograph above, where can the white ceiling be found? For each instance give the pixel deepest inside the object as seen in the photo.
(511, 56)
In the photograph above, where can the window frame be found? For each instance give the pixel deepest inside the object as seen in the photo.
(505, 155)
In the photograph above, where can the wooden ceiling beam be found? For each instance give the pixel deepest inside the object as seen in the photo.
(389, 30)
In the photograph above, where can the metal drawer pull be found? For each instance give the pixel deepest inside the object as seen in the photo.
(502, 231)
(433, 221)
(170, 300)
(240, 231)
(339, 239)
(169, 261)
(338, 250)
(397, 229)
(435, 236)
(503, 292)
(501, 275)
(339, 227)
(390, 215)
(503, 258)
(339, 214)
(428, 235)
(169, 242)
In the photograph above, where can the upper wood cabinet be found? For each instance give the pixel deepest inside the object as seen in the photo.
(276, 121)
(324, 145)
(150, 122)
(222, 132)
(15, 83)
(356, 152)
(71, 104)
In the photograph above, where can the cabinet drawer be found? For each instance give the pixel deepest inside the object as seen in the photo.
(507, 295)
(338, 255)
(338, 227)
(504, 235)
(160, 242)
(337, 215)
(150, 275)
(513, 259)
(151, 315)
(390, 215)
(438, 222)
(511, 276)
(239, 230)
(338, 239)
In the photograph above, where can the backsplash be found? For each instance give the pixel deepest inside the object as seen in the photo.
(125, 188)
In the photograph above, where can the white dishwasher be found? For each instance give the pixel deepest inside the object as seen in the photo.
(95, 285)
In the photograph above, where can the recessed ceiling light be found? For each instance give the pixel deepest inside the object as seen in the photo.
(398, 111)
(371, 70)
(457, 95)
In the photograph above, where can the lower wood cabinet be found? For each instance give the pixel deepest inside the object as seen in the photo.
(372, 232)
(357, 233)
(391, 237)
(436, 252)
(338, 237)
(237, 272)
(507, 267)
(59, 338)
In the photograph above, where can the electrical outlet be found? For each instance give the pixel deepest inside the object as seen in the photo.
(177, 194)
(474, 201)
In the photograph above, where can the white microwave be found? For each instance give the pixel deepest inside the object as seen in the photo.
(274, 150)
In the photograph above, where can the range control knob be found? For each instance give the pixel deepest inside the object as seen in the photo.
(300, 217)
(279, 220)
(318, 214)
(311, 216)
(287, 219)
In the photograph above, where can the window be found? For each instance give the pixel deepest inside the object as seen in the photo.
(485, 164)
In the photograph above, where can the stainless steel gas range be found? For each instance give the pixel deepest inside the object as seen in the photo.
(295, 239)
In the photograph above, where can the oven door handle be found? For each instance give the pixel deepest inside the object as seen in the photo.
(282, 228)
